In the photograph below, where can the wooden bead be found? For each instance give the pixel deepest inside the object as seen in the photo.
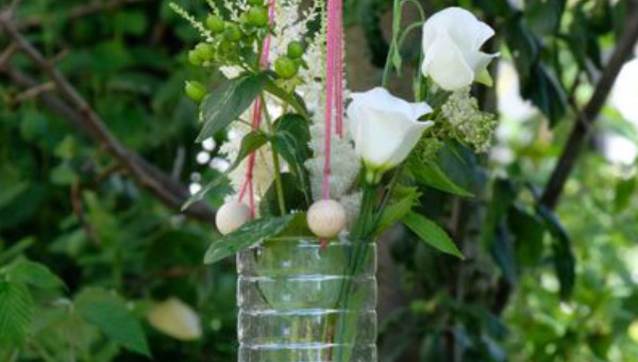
(231, 216)
(326, 218)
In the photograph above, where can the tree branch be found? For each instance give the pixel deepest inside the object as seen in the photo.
(588, 115)
(80, 114)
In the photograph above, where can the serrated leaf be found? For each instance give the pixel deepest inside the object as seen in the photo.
(248, 235)
(16, 308)
(226, 103)
(431, 234)
(110, 315)
(32, 273)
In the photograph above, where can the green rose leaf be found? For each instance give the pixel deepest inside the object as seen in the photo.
(248, 235)
(226, 103)
(431, 233)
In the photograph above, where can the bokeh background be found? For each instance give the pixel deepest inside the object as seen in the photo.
(97, 153)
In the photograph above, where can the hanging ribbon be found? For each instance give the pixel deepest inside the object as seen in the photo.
(334, 85)
(248, 187)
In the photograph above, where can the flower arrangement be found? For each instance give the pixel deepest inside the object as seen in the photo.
(308, 157)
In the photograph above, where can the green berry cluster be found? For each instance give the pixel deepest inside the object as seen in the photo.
(233, 42)
(287, 66)
(237, 42)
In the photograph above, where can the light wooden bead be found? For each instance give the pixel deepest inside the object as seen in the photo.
(326, 218)
(231, 216)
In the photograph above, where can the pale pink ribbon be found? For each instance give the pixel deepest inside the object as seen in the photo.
(247, 186)
(334, 85)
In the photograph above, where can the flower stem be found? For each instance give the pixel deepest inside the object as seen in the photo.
(279, 187)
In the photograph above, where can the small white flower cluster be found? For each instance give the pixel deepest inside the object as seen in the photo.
(468, 123)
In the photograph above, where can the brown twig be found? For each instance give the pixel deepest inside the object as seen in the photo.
(78, 209)
(6, 55)
(83, 117)
(33, 92)
(582, 127)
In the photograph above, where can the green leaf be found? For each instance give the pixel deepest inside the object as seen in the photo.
(110, 315)
(544, 90)
(431, 233)
(624, 192)
(453, 171)
(563, 255)
(38, 275)
(528, 231)
(294, 198)
(503, 254)
(249, 144)
(16, 309)
(226, 103)
(291, 99)
(503, 195)
(398, 209)
(248, 235)
(295, 153)
(544, 17)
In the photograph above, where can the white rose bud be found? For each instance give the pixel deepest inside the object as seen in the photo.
(452, 39)
(231, 216)
(176, 319)
(385, 128)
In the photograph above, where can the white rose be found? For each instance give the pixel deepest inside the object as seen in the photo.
(452, 39)
(385, 128)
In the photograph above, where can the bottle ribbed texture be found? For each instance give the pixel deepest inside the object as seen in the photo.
(299, 303)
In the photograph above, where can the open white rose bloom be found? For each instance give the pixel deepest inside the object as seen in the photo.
(385, 128)
(452, 39)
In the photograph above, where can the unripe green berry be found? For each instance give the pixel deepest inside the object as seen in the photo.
(256, 2)
(226, 48)
(215, 24)
(232, 32)
(195, 58)
(195, 90)
(257, 16)
(285, 67)
(205, 51)
(295, 50)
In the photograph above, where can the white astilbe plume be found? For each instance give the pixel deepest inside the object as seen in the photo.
(263, 171)
(290, 24)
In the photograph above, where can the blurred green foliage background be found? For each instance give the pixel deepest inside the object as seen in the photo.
(86, 251)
